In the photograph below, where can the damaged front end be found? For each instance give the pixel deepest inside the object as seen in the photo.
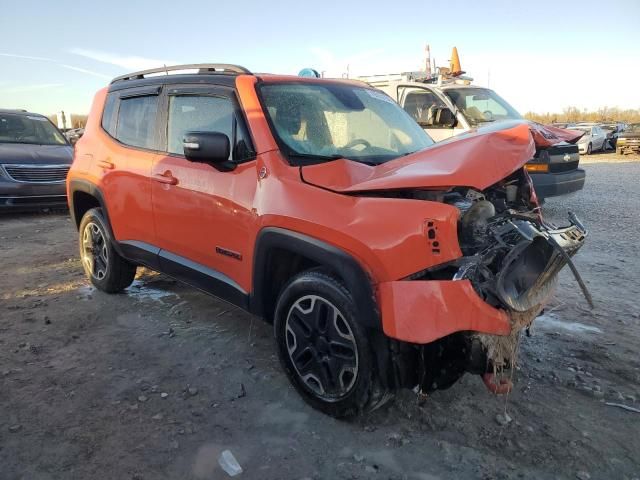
(512, 258)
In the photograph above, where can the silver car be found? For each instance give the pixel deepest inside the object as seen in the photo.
(594, 139)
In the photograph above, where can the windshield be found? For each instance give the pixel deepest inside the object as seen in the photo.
(480, 105)
(30, 129)
(327, 121)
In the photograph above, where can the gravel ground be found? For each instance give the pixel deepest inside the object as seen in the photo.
(154, 383)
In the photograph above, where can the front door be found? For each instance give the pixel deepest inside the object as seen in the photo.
(204, 216)
(423, 105)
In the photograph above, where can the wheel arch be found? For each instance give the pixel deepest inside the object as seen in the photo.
(273, 242)
(84, 195)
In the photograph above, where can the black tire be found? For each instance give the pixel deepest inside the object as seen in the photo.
(107, 270)
(589, 147)
(320, 352)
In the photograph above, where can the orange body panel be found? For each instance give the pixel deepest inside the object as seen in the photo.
(477, 159)
(208, 208)
(423, 311)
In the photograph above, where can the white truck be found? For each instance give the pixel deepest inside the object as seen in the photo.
(449, 104)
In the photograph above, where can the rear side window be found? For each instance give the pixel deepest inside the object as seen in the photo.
(137, 120)
(108, 115)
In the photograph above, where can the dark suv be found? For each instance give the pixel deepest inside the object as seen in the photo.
(34, 160)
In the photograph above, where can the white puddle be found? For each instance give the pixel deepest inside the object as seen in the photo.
(141, 291)
(138, 290)
(550, 321)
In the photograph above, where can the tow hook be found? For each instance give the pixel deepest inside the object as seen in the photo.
(502, 388)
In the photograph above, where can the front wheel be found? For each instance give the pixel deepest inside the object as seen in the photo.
(323, 348)
(107, 270)
(589, 149)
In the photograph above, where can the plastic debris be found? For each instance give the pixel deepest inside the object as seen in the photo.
(229, 463)
(624, 407)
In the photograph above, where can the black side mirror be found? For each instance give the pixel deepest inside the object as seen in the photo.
(206, 147)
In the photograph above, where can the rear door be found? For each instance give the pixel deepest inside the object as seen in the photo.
(131, 119)
(204, 217)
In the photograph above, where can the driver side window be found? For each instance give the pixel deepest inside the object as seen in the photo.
(422, 105)
(205, 113)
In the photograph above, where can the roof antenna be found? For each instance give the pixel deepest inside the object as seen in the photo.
(165, 69)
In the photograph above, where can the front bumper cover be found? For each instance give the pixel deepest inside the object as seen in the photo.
(421, 311)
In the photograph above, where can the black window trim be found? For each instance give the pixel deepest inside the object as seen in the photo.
(124, 94)
(206, 90)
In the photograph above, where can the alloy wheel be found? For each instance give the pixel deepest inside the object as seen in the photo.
(321, 347)
(95, 254)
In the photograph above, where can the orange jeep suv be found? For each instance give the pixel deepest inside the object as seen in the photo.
(383, 260)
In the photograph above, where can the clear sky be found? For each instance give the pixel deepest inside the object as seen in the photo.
(539, 55)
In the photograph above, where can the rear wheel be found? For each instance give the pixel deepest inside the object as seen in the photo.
(324, 350)
(106, 269)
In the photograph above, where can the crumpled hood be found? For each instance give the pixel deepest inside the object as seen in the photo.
(35, 154)
(475, 159)
(547, 135)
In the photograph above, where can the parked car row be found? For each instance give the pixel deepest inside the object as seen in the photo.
(605, 136)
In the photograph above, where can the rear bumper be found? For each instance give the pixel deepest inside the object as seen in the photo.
(30, 196)
(555, 184)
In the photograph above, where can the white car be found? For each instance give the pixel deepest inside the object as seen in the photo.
(594, 139)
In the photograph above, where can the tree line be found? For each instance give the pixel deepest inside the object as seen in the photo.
(77, 121)
(574, 114)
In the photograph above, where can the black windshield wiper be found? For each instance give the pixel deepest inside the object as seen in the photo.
(313, 159)
(317, 158)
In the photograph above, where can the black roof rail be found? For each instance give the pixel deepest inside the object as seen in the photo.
(200, 67)
(13, 110)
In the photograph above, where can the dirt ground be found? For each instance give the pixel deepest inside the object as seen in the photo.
(154, 383)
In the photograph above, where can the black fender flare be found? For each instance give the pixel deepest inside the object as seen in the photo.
(348, 268)
(85, 186)
(91, 189)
